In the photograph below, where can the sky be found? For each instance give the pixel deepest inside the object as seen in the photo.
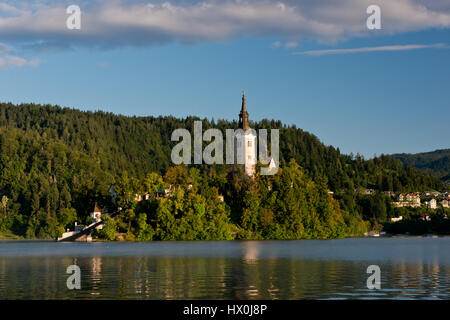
(313, 64)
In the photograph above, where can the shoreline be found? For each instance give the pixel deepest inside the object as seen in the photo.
(431, 236)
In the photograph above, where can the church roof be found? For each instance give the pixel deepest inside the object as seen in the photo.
(243, 115)
(96, 208)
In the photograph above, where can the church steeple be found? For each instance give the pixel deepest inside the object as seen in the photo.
(243, 115)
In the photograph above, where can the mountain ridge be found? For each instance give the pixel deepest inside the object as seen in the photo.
(437, 161)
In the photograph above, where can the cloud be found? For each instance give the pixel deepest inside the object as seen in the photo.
(371, 49)
(291, 44)
(116, 23)
(276, 44)
(9, 60)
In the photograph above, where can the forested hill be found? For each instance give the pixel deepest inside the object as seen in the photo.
(437, 161)
(55, 163)
(47, 139)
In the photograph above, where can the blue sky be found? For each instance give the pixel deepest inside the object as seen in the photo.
(395, 99)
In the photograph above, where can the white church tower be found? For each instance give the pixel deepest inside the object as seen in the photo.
(245, 143)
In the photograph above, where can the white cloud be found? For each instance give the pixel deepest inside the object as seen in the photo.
(371, 49)
(112, 23)
(291, 44)
(9, 60)
(276, 44)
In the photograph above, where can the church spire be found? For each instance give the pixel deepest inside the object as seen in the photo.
(243, 115)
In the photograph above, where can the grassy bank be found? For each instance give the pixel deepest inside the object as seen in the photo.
(7, 235)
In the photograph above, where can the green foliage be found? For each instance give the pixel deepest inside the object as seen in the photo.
(109, 228)
(436, 162)
(145, 231)
(55, 163)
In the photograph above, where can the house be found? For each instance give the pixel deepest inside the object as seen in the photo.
(389, 194)
(413, 199)
(397, 219)
(368, 191)
(425, 217)
(435, 194)
(444, 203)
(96, 216)
(163, 193)
(398, 204)
(431, 204)
(408, 200)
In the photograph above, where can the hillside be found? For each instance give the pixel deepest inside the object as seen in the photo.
(437, 161)
(56, 162)
(142, 144)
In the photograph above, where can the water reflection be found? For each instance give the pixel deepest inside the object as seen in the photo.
(248, 273)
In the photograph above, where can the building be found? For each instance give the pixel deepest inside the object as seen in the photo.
(431, 204)
(408, 200)
(414, 199)
(96, 216)
(444, 203)
(390, 194)
(245, 144)
(397, 219)
(78, 227)
(435, 194)
(163, 193)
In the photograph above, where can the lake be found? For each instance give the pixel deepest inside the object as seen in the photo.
(411, 268)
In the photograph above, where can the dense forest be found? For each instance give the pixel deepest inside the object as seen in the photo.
(55, 163)
(437, 162)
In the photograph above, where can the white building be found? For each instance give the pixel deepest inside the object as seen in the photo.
(245, 144)
(96, 216)
(431, 204)
(414, 199)
(444, 203)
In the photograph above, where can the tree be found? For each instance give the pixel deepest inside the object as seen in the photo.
(109, 228)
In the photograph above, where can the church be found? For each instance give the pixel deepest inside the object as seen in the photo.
(245, 144)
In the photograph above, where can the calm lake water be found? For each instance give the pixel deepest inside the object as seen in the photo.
(411, 268)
